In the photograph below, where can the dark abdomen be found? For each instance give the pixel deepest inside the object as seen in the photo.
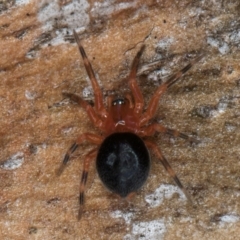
(123, 163)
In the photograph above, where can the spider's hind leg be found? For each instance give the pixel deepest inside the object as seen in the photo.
(168, 167)
(66, 158)
(84, 177)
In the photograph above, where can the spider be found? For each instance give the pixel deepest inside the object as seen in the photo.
(122, 158)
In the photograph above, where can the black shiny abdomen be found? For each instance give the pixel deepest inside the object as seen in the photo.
(123, 163)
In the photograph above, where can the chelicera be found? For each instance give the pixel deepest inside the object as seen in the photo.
(121, 152)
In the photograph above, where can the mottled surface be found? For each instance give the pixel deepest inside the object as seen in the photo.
(39, 60)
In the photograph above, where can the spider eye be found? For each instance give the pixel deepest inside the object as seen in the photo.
(118, 101)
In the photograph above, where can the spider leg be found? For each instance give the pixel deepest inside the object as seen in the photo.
(96, 88)
(168, 167)
(88, 108)
(130, 101)
(83, 182)
(153, 104)
(90, 137)
(155, 127)
(137, 94)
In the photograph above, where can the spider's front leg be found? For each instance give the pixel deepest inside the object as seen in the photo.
(94, 117)
(137, 94)
(153, 104)
(168, 167)
(90, 137)
(96, 88)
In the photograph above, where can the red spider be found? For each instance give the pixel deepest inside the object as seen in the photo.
(122, 158)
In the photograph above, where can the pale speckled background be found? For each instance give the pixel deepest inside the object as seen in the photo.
(39, 60)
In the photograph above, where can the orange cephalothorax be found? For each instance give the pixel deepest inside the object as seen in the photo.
(121, 117)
